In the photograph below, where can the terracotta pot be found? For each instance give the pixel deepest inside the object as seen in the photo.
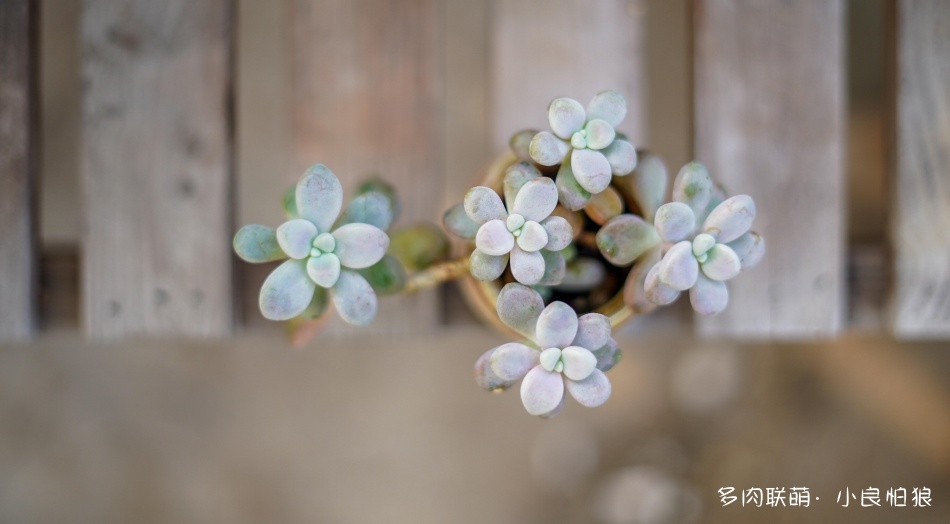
(482, 296)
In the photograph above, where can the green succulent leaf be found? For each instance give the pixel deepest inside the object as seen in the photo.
(624, 238)
(256, 243)
(289, 202)
(372, 207)
(418, 247)
(377, 185)
(387, 276)
(456, 221)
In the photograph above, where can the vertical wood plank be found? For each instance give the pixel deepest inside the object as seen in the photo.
(921, 214)
(769, 123)
(156, 167)
(368, 98)
(575, 48)
(18, 149)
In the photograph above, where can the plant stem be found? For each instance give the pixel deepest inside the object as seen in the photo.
(436, 274)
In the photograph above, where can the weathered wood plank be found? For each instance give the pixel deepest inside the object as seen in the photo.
(368, 98)
(769, 80)
(156, 167)
(921, 214)
(543, 50)
(18, 149)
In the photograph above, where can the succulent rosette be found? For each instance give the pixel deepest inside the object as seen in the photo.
(524, 232)
(566, 352)
(321, 259)
(586, 145)
(709, 241)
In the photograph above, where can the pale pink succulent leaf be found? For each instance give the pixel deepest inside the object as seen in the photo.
(287, 291)
(731, 219)
(722, 263)
(319, 197)
(487, 267)
(482, 205)
(557, 326)
(324, 270)
(591, 392)
(527, 266)
(655, 291)
(693, 187)
(566, 117)
(516, 176)
(560, 233)
(593, 331)
(708, 297)
(579, 362)
(256, 243)
(675, 222)
(609, 106)
(519, 307)
(541, 391)
(554, 412)
(634, 289)
(512, 361)
(750, 247)
(679, 267)
(547, 149)
(622, 157)
(591, 170)
(570, 192)
(533, 237)
(354, 299)
(486, 378)
(295, 236)
(600, 134)
(536, 199)
(493, 238)
(360, 245)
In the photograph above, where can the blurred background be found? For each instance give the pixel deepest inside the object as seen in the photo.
(138, 382)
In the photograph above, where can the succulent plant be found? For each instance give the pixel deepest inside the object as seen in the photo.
(709, 241)
(565, 352)
(525, 231)
(590, 139)
(320, 258)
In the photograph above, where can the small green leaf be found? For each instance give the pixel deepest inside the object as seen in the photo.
(379, 185)
(290, 202)
(387, 276)
(418, 247)
(373, 208)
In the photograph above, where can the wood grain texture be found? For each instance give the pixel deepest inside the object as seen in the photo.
(156, 167)
(769, 79)
(18, 148)
(921, 213)
(368, 98)
(542, 50)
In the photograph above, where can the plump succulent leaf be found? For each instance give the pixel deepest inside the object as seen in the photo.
(256, 243)
(622, 157)
(373, 208)
(536, 199)
(579, 362)
(387, 276)
(493, 238)
(559, 231)
(482, 205)
(527, 266)
(324, 270)
(634, 289)
(675, 222)
(287, 291)
(547, 149)
(721, 263)
(486, 378)
(516, 176)
(519, 307)
(600, 134)
(604, 205)
(591, 392)
(360, 245)
(520, 143)
(457, 222)
(295, 236)
(533, 237)
(566, 116)
(656, 291)
(378, 185)
(708, 297)
(541, 391)
(319, 197)
(679, 267)
(608, 355)
(570, 193)
(557, 326)
(730, 219)
(593, 331)
(354, 299)
(693, 187)
(512, 361)
(609, 106)
(418, 247)
(591, 170)
(487, 267)
(750, 248)
(624, 238)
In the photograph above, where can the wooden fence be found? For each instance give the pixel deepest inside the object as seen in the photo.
(368, 93)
